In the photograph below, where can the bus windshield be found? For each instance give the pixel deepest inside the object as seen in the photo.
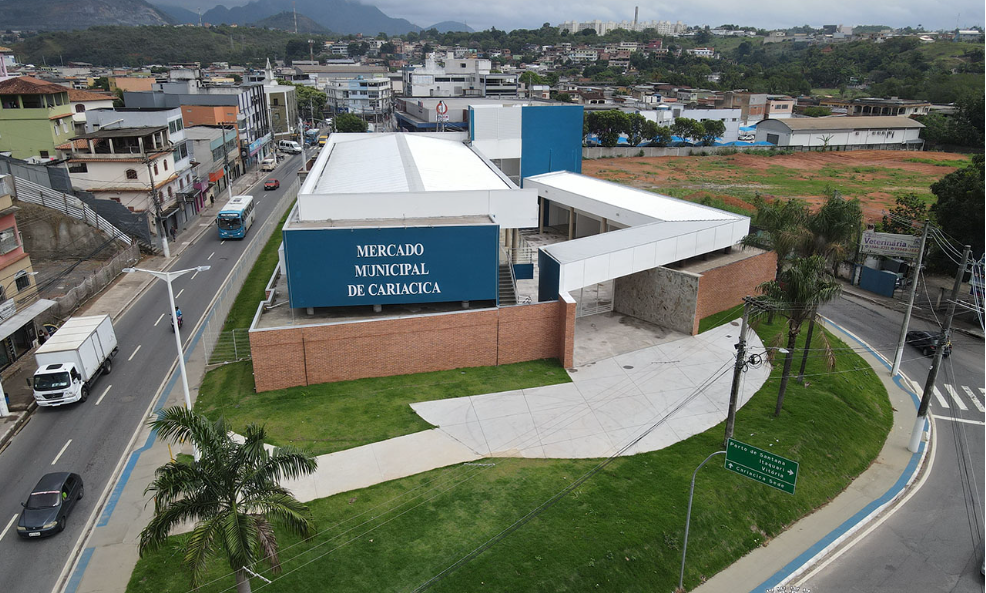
(230, 222)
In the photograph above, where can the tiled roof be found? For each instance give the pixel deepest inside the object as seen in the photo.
(77, 95)
(25, 85)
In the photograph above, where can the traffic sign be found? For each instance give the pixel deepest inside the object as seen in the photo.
(762, 466)
(441, 108)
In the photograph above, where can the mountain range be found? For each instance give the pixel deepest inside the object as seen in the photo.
(339, 16)
(55, 15)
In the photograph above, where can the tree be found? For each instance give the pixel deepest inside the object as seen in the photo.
(347, 122)
(232, 494)
(780, 227)
(530, 78)
(959, 209)
(687, 128)
(817, 111)
(712, 130)
(607, 125)
(660, 135)
(311, 101)
(638, 128)
(908, 209)
(801, 289)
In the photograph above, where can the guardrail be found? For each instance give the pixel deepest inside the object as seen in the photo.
(28, 191)
(233, 345)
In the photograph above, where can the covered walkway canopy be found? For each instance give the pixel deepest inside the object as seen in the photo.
(659, 230)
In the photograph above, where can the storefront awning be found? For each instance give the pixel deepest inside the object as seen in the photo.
(24, 316)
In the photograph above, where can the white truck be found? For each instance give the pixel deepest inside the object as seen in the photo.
(71, 360)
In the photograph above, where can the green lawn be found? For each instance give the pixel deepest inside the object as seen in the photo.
(335, 416)
(621, 530)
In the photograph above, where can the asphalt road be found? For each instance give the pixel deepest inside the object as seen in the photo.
(90, 438)
(934, 540)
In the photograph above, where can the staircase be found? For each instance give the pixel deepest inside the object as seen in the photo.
(505, 285)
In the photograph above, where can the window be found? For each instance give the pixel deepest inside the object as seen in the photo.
(155, 169)
(131, 174)
(43, 154)
(8, 240)
(22, 280)
(80, 108)
(171, 192)
(165, 165)
(78, 168)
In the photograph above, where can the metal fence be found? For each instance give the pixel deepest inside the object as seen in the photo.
(28, 191)
(233, 345)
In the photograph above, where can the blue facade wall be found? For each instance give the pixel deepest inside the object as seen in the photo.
(551, 137)
(549, 277)
(336, 267)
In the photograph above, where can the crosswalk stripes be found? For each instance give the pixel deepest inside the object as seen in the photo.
(974, 398)
(955, 397)
(938, 396)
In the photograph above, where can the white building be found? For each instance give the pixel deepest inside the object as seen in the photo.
(888, 132)
(665, 115)
(458, 78)
(83, 101)
(603, 27)
(369, 98)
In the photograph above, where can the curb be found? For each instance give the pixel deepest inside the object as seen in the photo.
(18, 424)
(806, 562)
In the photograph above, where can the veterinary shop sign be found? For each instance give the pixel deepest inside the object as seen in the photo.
(890, 245)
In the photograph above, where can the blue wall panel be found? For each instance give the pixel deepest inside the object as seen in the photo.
(551, 137)
(369, 266)
(549, 277)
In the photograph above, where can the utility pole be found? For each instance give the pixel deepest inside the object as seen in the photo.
(737, 373)
(165, 248)
(229, 178)
(945, 339)
(910, 304)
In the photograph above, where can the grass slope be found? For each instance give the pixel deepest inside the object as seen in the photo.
(619, 531)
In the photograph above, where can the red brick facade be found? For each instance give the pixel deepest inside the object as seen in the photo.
(339, 352)
(724, 287)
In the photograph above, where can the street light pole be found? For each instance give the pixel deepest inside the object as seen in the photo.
(168, 277)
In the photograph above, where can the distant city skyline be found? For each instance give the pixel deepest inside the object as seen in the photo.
(521, 14)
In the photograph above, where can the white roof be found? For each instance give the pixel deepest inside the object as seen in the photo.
(395, 162)
(614, 201)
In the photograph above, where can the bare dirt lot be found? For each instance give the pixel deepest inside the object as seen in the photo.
(876, 177)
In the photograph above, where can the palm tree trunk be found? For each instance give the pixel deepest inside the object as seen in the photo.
(242, 582)
(792, 338)
(804, 357)
(777, 278)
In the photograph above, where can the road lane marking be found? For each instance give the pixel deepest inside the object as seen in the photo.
(223, 242)
(179, 293)
(138, 350)
(159, 320)
(962, 420)
(7, 528)
(104, 394)
(955, 397)
(194, 275)
(974, 398)
(939, 397)
(210, 256)
(69, 442)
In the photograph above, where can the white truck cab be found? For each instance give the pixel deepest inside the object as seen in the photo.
(72, 359)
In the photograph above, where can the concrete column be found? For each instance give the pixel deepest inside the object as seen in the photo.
(544, 210)
(603, 226)
(514, 244)
(571, 223)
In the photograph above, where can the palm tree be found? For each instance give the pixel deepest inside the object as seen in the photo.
(801, 289)
(781, 225)
(232, 493)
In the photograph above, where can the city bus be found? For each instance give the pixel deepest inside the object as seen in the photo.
(236, 217)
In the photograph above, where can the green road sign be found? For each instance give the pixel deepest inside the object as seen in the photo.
(762, 466)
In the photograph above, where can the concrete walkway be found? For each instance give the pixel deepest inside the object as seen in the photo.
(609, 404)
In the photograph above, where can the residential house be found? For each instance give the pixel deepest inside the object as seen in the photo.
(458, 78)
(779, 107)
(132, 166)
(214, 149)
(83, 101)
(35, 117)
(878, 106)
(752, 106)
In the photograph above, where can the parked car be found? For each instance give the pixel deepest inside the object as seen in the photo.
(271, 184)
(927, 342)
(49, 505)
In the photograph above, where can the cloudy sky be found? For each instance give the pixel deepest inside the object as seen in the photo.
(528, 14)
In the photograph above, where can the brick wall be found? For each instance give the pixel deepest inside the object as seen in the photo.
(340, 352)
(724, 287)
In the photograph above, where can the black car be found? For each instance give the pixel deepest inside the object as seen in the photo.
(49, 505)
(927, 342)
